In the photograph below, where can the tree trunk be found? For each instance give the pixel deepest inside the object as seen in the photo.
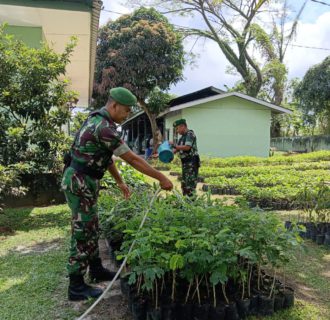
(327, 129)
(275, 129)
(153, 123)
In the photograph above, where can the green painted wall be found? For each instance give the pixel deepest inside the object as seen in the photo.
(229, 127)
(32, 36)
(169, 122)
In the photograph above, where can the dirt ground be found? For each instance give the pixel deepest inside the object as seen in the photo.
(114, 306)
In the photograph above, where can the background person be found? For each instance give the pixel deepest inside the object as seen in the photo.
(90, 156)
(188, 153)
(159, 140)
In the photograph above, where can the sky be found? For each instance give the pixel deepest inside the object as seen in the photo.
(209, 68)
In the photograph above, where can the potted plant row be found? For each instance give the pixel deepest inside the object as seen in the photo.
(202, 260)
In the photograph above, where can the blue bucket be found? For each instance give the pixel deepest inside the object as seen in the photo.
(165, 152)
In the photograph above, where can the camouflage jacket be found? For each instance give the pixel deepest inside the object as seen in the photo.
(188, 139)
(96, 142)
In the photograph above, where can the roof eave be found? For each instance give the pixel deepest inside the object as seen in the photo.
(96, 10)
(274, 108)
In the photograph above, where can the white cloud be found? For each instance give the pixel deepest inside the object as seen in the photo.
(116, 8)
(211, 63)
(209, 70)
(316, 34)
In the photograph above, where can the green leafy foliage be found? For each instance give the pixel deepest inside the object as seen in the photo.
(140, 51)
(143, 53)
(132, 177)
(184, 241)
(313, 93)
(281, 182)
(10, 183)
(33, 103)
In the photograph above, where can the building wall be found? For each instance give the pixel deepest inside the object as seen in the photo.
(169, 119)
(229, 127)
(31, 36)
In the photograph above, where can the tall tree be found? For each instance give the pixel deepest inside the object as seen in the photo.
(140, 51)
(236, 26)
(313, 93)
(230, 24)
(158, 101)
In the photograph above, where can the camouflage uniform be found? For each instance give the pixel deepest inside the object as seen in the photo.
(190, 163)
(91, 155)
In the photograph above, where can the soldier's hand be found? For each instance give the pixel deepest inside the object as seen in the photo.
(166, 184)
(125, 190)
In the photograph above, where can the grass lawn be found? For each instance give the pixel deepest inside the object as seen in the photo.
(33, 252)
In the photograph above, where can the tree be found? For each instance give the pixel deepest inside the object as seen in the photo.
(313, 93)
(140, 51)
(234, 26)
(230, 24)
(157, 102)
(33, 102)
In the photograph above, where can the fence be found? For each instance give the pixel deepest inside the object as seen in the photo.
(301, 144)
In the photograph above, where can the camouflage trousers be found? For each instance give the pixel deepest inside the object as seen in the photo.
(81, 192)
(189, 178)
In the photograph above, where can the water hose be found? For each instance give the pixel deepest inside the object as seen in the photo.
(123, 263)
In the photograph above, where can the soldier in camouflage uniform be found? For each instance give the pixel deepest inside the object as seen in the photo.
(90, 156)
(188, 153)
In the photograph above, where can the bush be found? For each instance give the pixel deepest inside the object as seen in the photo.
(10, 183)
(33, 103)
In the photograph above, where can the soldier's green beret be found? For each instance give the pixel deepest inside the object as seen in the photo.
(178, 122)
(123, 96)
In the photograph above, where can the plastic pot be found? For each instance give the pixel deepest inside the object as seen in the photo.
(131, 298)
(231, 312)
(124, 286)
(218, 313)
(139, 309)
(184, 311)
(254, 304)
(288, 298)
(327, 239)
(288, 225)
(278, 302)
(205, 187)
(266, 306)
(313, 235)
(320, 239)
(243, 307)
(169, 312)
(154, 314)
(201, 312)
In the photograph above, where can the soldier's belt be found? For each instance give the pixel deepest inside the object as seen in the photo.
(90, 172)
(194, 160)
(187, 159)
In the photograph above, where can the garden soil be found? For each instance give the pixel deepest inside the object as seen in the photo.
(114, 306)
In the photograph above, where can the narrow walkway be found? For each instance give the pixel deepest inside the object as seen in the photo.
(114, 306)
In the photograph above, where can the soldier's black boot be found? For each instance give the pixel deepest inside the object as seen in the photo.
(98, 273)
(79, 290)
